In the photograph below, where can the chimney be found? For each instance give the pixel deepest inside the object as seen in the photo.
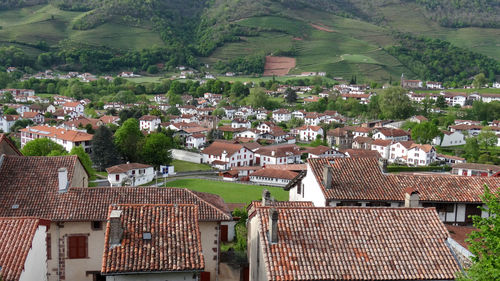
(266, 197)
(490, 173)
(327, 176)
(273, 225)
(383, 165)
(412, 197)
(273, 152)
(115, 228)
(63, 179)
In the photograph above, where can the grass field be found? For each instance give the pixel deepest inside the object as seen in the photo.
(229, 191)
(184, 166)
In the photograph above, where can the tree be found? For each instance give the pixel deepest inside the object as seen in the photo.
(485, 242)
(291, 95)
(441, 102)
(42, 147)
(479, 80)
(10, 111)
(487, 138)
(84, 158)
(128, 138)
(156, 150)
(173, 110)
(257, 98)
(104, 153)
(471, 150)
(395, 104)
(424, 132)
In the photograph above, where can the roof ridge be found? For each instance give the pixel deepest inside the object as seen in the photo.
(209, 203)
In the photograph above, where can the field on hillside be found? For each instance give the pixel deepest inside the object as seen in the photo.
(50, 24)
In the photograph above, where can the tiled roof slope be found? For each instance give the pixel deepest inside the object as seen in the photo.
(31, 183)
(123, 168)
(175, 243)
(362, 179)
(16, 237)
(274, 173)
(7, 147)
(336, 243)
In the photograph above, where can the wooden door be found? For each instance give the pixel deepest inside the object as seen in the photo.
(223, 233)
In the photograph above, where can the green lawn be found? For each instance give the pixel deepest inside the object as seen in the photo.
(229, 191)
(184, 166)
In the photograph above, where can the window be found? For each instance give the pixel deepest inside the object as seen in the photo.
(96, 225)
(117, 177)
(77, 247)
(49, 246)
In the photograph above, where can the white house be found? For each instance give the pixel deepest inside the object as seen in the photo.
(421, 155)
(309, 133)
(314, 118)
(390, 134)
(227, 154)
(323, 151)
(239, 123)
(36, 117)
(383, 147)
(130, 174)
(252, 134)
(74, 106)
(328, 183)
(434, 85)
(265, 127)
(67, 138)
(196, 141)
(23, 248)
(399, 151)
(272, 177)
(299, 114)
(455, 98)
(278, 154)
(7, 121)
(449, 139)
(149, 123)
(281, 115)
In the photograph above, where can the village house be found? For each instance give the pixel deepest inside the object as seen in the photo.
(35, 117)
(299, 114)
(362, 143)
(248, 135)
(78, 213)
(453, 99)
(23, 249)
(364, 182)
(362, 131)
(390, 134)
(434, 85)
(412, 84)
(224, 155)
(136, 227)
(278, 154)
(196, 140)
(276, 135)
(20, 108)
(449, 159)
(399, 151)
(466, 130)
(418, 119)
(449, 139)
(7, 122)
(309, 133)
(339, 137)
(67, 138)
(281, 115)
(383, 147)
(322, 151)
(74, 106)
(81, 123)
(475, 170)
(421, 155)
(272, 177)
(239, 123)
(265, 127)
(149, 123)
(274, 230)
(130, 174)
(313, 118)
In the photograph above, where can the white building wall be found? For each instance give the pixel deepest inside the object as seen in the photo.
(311, 191)
(35, 266)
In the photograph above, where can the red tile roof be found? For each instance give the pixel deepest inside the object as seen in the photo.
(356, 244)
(31, 183)
(358, 153)
(274, 173)
(58, 133)
(280, 150)
(16, 238)
(217, 148)
(362, 179)
(289, 167)
(175, 243)
(123, 168)
(476, 166)
(391, 132)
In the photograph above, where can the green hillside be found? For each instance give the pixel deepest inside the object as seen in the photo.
(341, 37)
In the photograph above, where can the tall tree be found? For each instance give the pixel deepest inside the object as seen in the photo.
(128, 139)
(424, 132)
(104, 153)
(42, 147)
(471, 149)
(291, 95)
(395, 104)
(485, 242)
(479, 80)
(487, 138)
(156, 150)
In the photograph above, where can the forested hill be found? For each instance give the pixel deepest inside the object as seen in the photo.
(108, 35)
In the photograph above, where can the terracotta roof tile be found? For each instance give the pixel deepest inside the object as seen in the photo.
(123, 168)
(16, 238)
(274, 173)
(356, 244)
(476, 166)
(31, 183)
(217, 148)
(361, 153)
(59, 133)
(362, 179)
(175, 243)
